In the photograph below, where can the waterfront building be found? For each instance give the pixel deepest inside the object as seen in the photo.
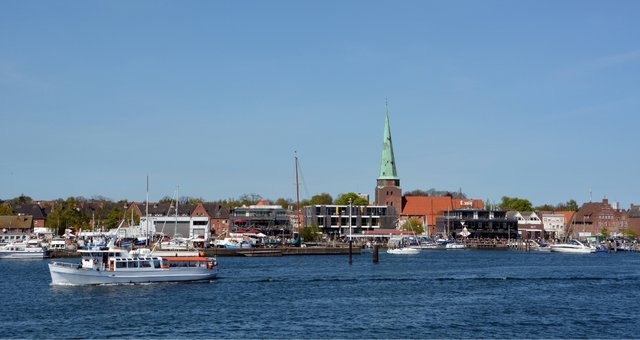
(481, 224)
(555, 223)
(169, 219)
(428, 208)
(272, 220)
(634, 219)
(596, 218)
(15, 228)
(338, 220)
(530, 225)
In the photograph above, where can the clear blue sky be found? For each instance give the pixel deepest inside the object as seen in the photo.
(529, 99)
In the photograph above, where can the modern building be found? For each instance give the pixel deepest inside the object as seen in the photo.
(269, 219)
(340, 220)
(481, 224)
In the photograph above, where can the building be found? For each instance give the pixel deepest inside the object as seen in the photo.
(597, 219)
(429, 208)
(340, 220)
(169, 219)
(388, 190)
(555, 223)
(269, 219)
(530, 225)
(15, 228)
(634, 219)
(481, 224)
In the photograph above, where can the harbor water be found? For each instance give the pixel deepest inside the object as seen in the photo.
(435, 294)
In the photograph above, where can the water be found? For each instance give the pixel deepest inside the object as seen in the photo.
(437, 294)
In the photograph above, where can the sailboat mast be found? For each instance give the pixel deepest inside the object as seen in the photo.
(146, 212)
(297, 193)
(175, 227)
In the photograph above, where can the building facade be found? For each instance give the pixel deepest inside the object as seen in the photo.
(343, 220)
(481, 224)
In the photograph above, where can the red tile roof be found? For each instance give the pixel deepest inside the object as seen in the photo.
(434, 206)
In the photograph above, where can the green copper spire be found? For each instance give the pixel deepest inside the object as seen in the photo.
(388, 164)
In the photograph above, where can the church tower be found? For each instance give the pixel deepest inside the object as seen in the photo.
(388, 191)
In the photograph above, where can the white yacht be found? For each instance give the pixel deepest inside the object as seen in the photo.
(572, 246)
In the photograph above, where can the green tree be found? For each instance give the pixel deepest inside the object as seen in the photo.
(285, 203)
(5, 210)
(321, 199)
(355, 199)
(66, 215)
(515, 203)
(311, 234)
(572, 205)
(413, 224)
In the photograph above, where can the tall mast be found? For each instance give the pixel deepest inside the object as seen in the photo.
(297, 192)
(146, 211)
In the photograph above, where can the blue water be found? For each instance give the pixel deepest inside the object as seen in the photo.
(437, 294)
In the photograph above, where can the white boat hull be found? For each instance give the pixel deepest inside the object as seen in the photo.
(403, 251)
(572, 250)
(573, 247)
(24, 254)
(69, 274)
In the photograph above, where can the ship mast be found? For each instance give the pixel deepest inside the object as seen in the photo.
(297, 193)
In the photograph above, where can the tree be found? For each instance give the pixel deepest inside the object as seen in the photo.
(321, 199)
(413, 224)
(285, 203)
(5, 210)
(311, 233)
(514, 203)
(355, 199)
(437, 193)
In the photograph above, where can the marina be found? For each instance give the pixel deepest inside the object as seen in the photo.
(435, 294)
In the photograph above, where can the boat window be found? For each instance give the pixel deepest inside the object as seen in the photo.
(133, 264)
(121, 264)
(156, 263)
(145, 264)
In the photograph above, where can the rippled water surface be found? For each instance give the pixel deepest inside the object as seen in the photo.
(436, 294)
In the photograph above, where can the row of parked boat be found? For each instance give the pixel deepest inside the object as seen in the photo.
(412, 245)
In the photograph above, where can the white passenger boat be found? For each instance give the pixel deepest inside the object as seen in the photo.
(111, 265)
(572, 246)
(22, 251)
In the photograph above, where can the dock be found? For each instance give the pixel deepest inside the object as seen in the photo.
(280, 251)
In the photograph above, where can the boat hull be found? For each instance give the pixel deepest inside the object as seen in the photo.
(571, 250)
(24, 255)
(403, 251)
(70, 274)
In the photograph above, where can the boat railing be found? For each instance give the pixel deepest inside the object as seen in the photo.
(65, 264)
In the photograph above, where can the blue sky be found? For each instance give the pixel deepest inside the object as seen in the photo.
(529, 99)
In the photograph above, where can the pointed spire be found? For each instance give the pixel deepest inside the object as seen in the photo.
(388, 163)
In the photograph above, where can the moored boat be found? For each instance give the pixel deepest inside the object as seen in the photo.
(22, 251)
(572, 247)
(403, 251)
(111, 265)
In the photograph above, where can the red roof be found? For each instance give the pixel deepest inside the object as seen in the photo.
(434, 206)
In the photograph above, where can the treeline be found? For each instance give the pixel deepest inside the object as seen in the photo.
(96, 212)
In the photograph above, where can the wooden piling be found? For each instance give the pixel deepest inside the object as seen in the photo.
(374, 253)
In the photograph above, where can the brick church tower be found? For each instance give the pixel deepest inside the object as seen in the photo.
(388, 191)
